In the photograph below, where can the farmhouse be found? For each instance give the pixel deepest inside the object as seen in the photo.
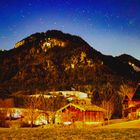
(88, 114)
(80, 110)
(132, 107)
(23, 116)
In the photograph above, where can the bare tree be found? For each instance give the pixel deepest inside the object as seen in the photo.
(108, 100)
(125, 91)
(32, 103)
(95, 98)
(109, 107)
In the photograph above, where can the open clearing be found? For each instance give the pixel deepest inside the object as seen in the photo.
(129, 124)
(119, 131)
(69, 134)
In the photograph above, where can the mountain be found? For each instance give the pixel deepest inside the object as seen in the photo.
(57, 61)
(133, 62)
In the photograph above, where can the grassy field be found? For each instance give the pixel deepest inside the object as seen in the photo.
(129, 124)
(69, 134)
(119, 131)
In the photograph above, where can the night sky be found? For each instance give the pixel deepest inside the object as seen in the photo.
(110, 26)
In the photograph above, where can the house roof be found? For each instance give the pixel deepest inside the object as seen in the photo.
(4, 94)
(83, 107)
(132, 107)
(136, 95)
(126, 99)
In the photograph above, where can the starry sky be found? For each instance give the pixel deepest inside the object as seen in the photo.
(109, 26)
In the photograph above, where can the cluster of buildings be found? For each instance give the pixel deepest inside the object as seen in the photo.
(78, 113)
(84, 112)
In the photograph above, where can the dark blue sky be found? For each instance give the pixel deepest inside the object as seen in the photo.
(110, 26)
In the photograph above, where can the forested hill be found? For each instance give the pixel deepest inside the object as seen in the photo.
(57, 61)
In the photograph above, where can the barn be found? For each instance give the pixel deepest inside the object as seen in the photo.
(88, 114)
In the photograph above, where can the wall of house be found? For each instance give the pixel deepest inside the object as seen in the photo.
(72, 114)
(138, 113)
(7, 103)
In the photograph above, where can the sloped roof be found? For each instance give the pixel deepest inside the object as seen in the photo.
(126, 99)
(92, 108)
(83, 107)
(136, 95)
(4, 94)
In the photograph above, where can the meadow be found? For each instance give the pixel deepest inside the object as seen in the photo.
(60, 133)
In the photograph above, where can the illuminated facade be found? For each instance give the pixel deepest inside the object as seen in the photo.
(73, 113)
(132, 107)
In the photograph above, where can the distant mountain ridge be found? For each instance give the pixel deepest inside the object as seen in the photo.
(58, 61)
(133, 62)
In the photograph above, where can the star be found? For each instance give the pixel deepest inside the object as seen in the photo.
(21, 11)
(41, 20)
(83, 11)
(28, 12)
(121, 28)
(74, 19)
(30, 4)
(63, 26)
(89, 19)
(15, 32)
(23, 16)
(131, 22)
(85, 18)
(10, 28)
(67, 2)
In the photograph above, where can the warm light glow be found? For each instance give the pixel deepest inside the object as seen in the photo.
(136, 68)
(67, 123)
(51, 42)
(14, 114)
(93, 123)
(19, 44)
(37, 122)
(8, 114)
(131, 105)
(41, 120)
(72, 66)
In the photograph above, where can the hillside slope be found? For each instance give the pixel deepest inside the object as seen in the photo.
(59, 61)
